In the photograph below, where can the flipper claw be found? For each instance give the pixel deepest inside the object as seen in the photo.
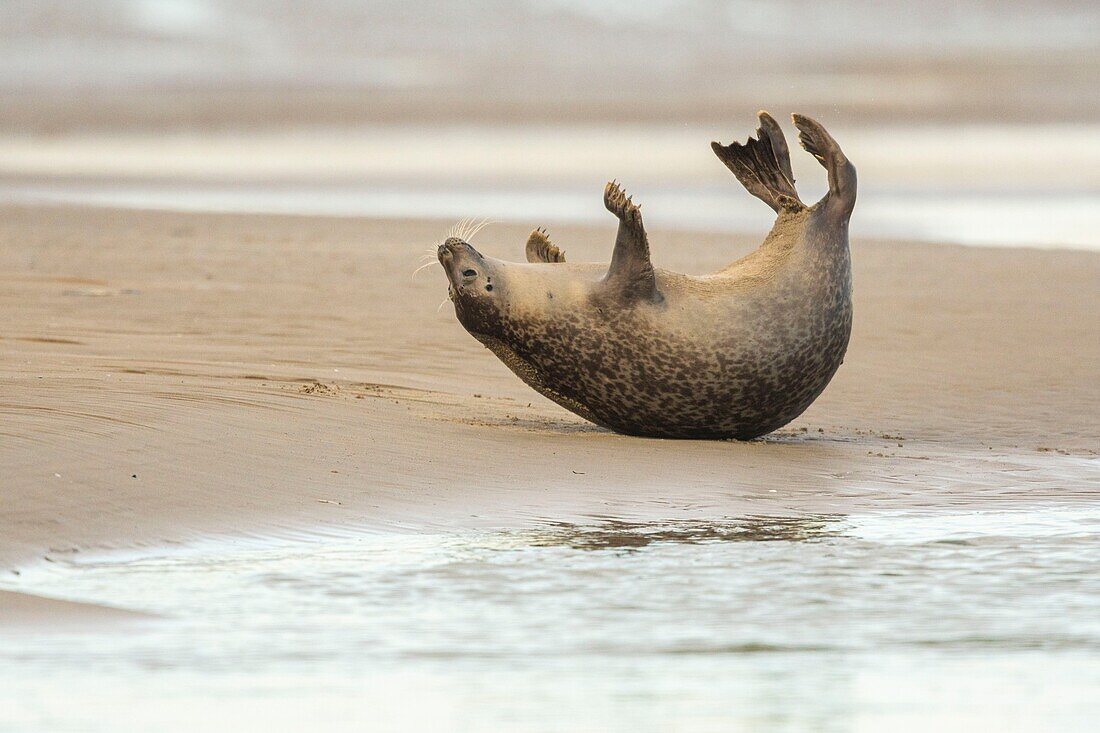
(541, 249)
(631, 272)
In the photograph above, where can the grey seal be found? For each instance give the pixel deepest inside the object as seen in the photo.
(644, 351)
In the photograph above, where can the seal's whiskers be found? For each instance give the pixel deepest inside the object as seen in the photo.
(425, 265)
(484, 223)
(467, 228)
(458, 228)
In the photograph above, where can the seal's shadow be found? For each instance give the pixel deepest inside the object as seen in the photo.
(498, 413)
(576, 426)
(536, 424)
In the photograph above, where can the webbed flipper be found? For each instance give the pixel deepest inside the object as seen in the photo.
(763, 165)
(631, 272)
(841, 198)
(540, 248)
(770, 128)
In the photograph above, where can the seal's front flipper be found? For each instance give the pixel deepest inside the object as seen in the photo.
(841, 198)
(763, 165)
(540, 249)
(631, 272)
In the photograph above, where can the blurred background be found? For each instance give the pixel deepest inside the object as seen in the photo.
(185, 64)
(974, 122)
(182, 430)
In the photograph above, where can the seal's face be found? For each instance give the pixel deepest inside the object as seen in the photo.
(475, 285)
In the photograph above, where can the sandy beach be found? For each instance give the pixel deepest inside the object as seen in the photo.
(254, 475)
(173, 376)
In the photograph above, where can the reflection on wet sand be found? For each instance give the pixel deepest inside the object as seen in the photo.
(617, 534)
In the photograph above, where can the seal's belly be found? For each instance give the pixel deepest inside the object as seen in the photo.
(740, 379)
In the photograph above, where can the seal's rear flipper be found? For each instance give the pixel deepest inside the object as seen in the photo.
(770, 128)
(763, 165)
(540, 249)
(841, 198)
(630, 274)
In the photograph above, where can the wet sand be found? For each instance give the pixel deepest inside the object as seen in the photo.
(176, 376)
(23, 611)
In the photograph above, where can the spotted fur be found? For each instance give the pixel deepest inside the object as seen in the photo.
(734, 354)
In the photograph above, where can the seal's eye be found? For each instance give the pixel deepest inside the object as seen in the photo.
(469, 273)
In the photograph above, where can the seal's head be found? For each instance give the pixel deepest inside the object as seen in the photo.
(475, 285)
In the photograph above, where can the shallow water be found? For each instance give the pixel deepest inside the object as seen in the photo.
(974, 217)
(901, 621)
(1001, 185)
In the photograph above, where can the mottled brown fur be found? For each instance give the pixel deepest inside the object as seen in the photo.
(644, 351)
